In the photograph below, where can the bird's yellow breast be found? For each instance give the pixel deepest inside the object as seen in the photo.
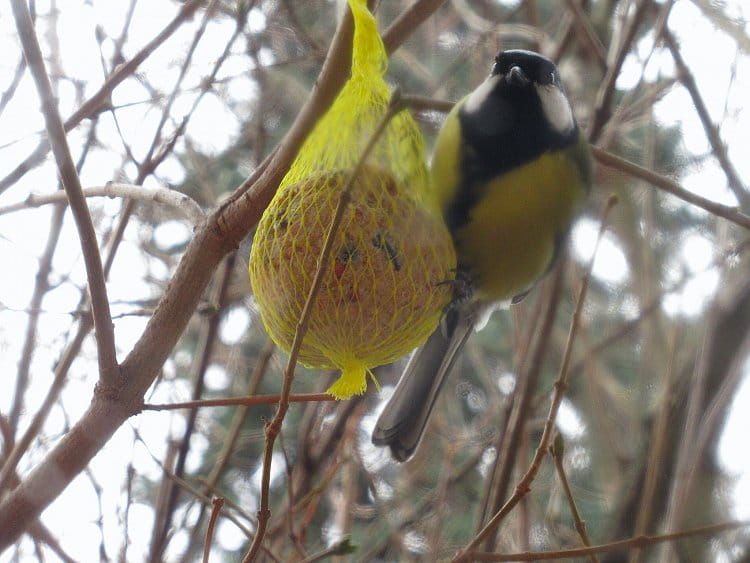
(511, 233)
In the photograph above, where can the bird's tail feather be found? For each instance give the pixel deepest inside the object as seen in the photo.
(403, 420)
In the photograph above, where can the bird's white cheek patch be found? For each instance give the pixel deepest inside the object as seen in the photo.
(480, 94)
(556, 108)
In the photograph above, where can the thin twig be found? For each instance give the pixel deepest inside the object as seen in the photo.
(629, 326)
(566, 35)
(341, 547)
(317, 454)
(530, 367)
(639, 541)
(591, 40)
(216, 505)
(712, 387)
(15, 81)
(206, 342)
(556, 450)
(606, 93)
(712, 132)
(202, 497)
(244, 401)
(289, 514)
(657, 453)
(416, 512)
(300, 32)
(560, 385)
(229, 440)
(180, 201)
(60, 376)
(186, 63)
(105, 336)
(98, 493)
(125, 513)
(41, 287)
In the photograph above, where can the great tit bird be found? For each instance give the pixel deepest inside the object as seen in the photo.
(512, 171)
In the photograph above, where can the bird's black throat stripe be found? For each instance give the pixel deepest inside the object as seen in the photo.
(508, 130)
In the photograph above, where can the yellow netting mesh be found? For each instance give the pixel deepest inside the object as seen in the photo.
(382, 293)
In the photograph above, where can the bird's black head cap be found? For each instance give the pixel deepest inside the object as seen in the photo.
(518, 64)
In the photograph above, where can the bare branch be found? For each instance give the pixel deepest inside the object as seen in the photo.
(181, 202)
(639, 541)
(217, 504)
(242, 401)
(410, 19)
(662, 182)
(556, 450)
(105, 337)
(712, 132)
(605, 95)
(591, 40)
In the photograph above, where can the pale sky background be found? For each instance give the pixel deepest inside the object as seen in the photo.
(213, 127)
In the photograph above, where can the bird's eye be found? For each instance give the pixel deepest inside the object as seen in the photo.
(548, 78)
(500, 67)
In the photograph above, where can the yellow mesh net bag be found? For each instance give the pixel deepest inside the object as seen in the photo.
(383, 288)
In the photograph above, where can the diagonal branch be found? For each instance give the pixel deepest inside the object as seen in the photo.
(606, 93)
(712, 132)
(587, 33)
(668, 185)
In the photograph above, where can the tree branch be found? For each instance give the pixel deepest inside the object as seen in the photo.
(180, 201)
(105, 336)
(712, 132)
(662, 182)
(638, 541)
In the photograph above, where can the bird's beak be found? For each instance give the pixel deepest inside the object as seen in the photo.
(516, 77)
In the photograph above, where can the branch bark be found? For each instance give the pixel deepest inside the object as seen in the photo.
(180, 201)
(105, 335)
